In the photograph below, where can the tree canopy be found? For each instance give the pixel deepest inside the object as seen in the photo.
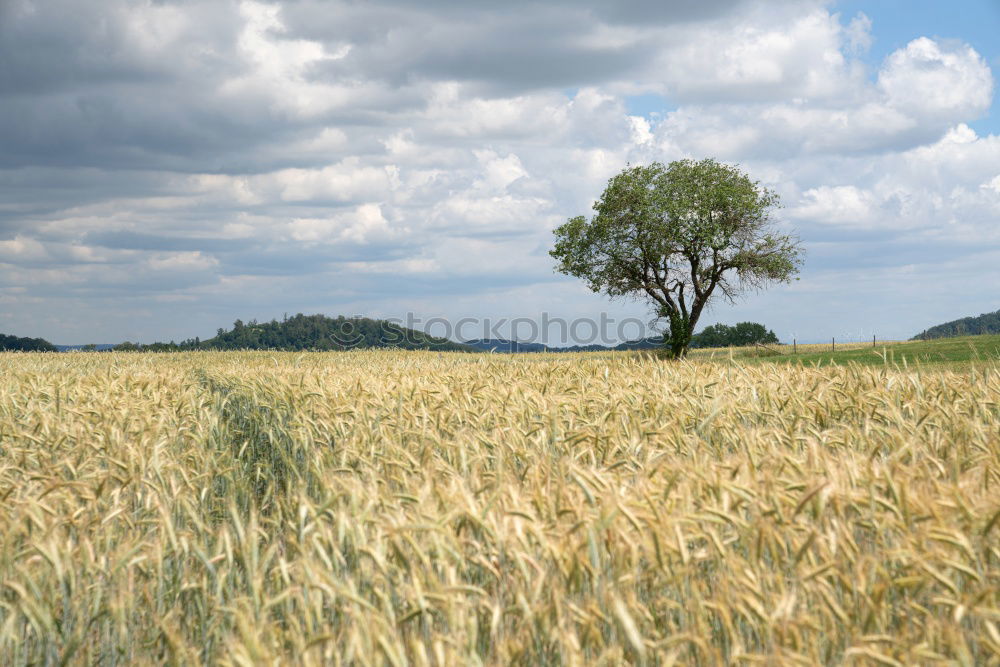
(679, 235)
(25, 344)
(739, 335)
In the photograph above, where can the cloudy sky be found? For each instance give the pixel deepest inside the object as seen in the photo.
(169, 166)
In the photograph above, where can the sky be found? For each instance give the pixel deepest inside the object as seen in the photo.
(169, 166)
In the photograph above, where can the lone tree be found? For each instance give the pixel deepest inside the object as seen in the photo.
(677, 235)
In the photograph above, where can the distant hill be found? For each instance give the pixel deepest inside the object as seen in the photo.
(507, 346)
(14, 343)
(987, 323)
(648, 343)
(309, 332)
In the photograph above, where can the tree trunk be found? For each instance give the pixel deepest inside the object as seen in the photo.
(678, 348)
(677, 341)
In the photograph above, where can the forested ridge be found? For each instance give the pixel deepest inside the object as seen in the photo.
(15, 343)
(309, 332)
(987, 323)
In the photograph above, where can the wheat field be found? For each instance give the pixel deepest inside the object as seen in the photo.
(417, 508)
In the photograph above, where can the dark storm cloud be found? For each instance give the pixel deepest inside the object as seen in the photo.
(87, 84)
(116, 85)
(143, 127)
(60, 45)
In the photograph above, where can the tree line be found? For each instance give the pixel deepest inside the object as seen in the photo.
(987, 323)
(739, 335)
(15, 343)
(318, 332)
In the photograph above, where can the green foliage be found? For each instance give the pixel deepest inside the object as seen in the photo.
(308, 332)
(678, 235)
(987, 323)
(318, 332)
(741, 335)
(15, 343)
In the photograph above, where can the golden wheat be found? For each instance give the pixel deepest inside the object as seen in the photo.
(412, 508)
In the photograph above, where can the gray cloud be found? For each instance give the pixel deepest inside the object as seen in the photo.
(126, 240)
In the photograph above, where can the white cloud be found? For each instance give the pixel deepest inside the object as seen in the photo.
(938, 193)
(450, 114)
(498, 172)
(774, 57)
(641, 130)
(926, 78)
(278, 65)
(859, 33)
(395, 267)
(500, 214)
(182, 261)
(362, 225)
(345, 181)
(21, 249)
(845, 205)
